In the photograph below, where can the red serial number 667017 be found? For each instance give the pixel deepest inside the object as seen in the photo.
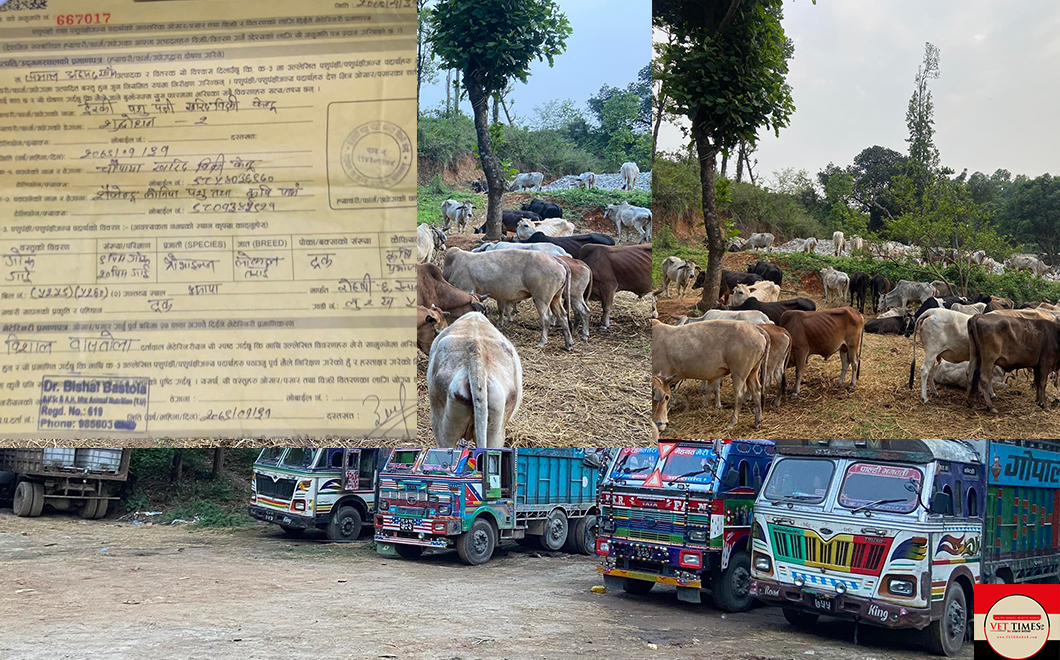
(81, 19)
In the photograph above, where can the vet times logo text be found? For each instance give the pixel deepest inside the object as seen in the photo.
(1017, 622)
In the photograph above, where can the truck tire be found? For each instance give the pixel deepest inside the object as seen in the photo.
(408, 551)
(637, 587)
(345, 525)
(88, 510)
(476, 546)
(945, 636)
(22, 503)
(555, 533)
(292, 532)
(101, 508)
(799, 619)
(581, 538)
(729, 588)
(38, 499)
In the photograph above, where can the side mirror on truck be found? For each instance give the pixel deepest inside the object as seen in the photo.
(941, 503)
(730, 480)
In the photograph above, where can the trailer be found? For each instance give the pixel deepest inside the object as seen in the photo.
(897, 533)
(680, 514)
(63, 478)
(304, 488)
(471, 499)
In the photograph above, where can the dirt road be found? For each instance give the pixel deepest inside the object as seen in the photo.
(71, 589)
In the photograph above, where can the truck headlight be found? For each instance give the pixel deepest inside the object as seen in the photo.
(698, 535)
(445, 510)
(603, 547)
(901, 586)
(763, 564)
(384, 505)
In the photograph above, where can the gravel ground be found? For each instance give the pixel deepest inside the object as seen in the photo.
(603, 181)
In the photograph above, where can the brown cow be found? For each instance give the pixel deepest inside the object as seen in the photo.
(779, 350)
(433, 291)
(581, 284)
(429, 322)
(708, 351)
(1011, 342)
(617, 268)
(823, 333)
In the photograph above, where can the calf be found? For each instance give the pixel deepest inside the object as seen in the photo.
(513, 275)
(510, 220)
(626, 216)
(859, 288)
(432, 290)
(836, 284)
(474, 383)
(767, 271)
(765, 291)
(543, 208)
(630, 173)
(729, 280)
(945, 336)
(823, 333)
(709, 351)
(677, 271)
(626, 268)
(880, 286)
(904, 292)
(429, 322)
(458, 212)
(775, 310)
(1011, 342)
(573, 244)
(899, 323)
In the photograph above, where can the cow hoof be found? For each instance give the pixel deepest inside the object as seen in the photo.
(992, 409)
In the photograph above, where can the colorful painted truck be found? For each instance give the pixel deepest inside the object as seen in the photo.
(472, 499)
(681, 515)
(329, 489)
(65, 479)
(896, 533)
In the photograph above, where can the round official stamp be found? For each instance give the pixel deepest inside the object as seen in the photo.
(377, 154)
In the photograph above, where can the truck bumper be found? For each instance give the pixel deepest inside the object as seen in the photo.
(843, 606)
(407, 538)
(650, 563)
(280, 517)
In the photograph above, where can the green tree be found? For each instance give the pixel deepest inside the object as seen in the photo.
(726, 70)
(493, 43)
(873, 171)
(920, 119)
(1035, 212)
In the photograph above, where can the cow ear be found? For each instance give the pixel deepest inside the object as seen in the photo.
(446, 314)
(432, 320)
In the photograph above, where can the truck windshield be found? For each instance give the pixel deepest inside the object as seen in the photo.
(694, 465)
(270, 455)
(874, 487)
(634, 464)
(402, 460)
(299, 459)
(799, 480)
(441, 460)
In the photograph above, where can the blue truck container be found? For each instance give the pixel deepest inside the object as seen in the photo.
(471, 499)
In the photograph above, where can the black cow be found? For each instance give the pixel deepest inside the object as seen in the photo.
(859, 287)
(774, 310)
(510, 220)
(544, 209)
(572, 244)
(480, 186)
(891, 325)
(767, 270)
(880, 287)
(729, 280)
(938, 301)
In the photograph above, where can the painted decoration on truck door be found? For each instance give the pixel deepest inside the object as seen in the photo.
(1019, 466)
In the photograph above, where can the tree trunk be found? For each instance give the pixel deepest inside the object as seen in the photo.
(739, 163)
(490, 165)
(496, 108)
(504, 104)
(658, 122)
(725, 163)
(448, 90)
(218, 462)
(715, 241)
(178, 465)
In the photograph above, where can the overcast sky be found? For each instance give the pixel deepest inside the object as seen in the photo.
(609, 43)
(996, 101)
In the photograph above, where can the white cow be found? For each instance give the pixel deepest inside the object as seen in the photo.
(680, 272)
(977, 257)
(749, 315)
(634, 218)
(971, 309)
(587, 180)
(764, 291)
(839, 242)
(1027, 262)
(554, 227)
(944, 333)
(904, 292)
(527, 180)
(474, 383)
(458, 212)
(630, 173)
(955, 374)
(758, 241)
(810, 245)
(856, 243)
(836, 284)
(428, 240)
(547, 248)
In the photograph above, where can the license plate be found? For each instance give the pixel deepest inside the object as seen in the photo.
(405, 524)
(270, 516)
(822, 603)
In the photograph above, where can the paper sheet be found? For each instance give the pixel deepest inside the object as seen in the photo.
(207, 219)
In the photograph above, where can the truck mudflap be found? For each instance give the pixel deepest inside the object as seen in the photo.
(844, 606)
(280, 517)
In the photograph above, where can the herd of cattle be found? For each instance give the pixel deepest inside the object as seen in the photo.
(754, 336)
(474, 373)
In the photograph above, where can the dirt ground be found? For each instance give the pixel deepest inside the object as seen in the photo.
(594, 396)
(73, 589)
(882, 405)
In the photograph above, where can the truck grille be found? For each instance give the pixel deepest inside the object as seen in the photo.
(651, 525)
(281, 489)
(843, 553)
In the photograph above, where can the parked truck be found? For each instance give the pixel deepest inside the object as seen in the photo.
(896, 533)
(328, 489)
(86, 480)
(472, 499)
(680, 514)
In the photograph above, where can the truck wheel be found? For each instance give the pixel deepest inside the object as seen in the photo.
(38, 499)
(101, 508)
(555, 534)
(729, 588)
(22, 503)
(637, 587)
(408, 551)
(345, 525)
(945, 636)
(88, 510)
(476, 546)
(581, 539)
(799, 619)
(292, 532)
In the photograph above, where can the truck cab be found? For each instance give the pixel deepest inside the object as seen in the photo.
(471, 499)
(886, 532)
(680, 515)
(304, 488)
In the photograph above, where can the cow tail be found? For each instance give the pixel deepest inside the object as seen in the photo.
(974, 354)
(566, 293)
(476, 376)
(912, 365)
(861, 349)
